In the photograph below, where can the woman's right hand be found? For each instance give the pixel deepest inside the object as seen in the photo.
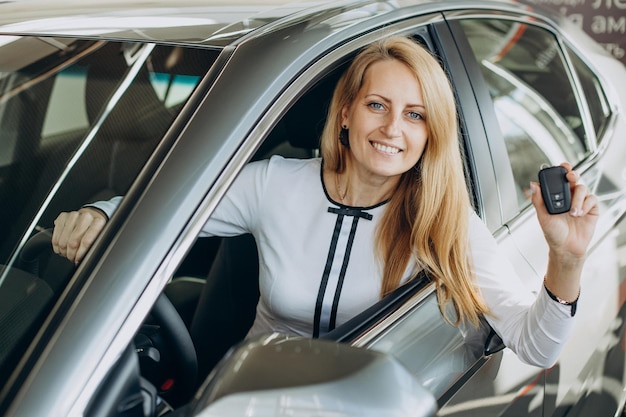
(75, 232)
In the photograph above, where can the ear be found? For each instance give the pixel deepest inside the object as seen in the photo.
(344, 116)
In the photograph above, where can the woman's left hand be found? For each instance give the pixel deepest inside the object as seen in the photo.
(569, 234)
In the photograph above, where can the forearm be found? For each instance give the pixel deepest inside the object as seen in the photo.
(563, 275)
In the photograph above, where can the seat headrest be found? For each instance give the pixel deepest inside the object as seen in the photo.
(139, 114)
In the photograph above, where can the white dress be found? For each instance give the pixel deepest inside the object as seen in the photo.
(318, 267)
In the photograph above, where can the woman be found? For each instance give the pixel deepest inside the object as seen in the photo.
(387, 199)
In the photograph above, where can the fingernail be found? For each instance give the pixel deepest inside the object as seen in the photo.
(576, 212)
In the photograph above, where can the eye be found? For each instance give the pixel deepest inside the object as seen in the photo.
(415, 115)
(376, 106)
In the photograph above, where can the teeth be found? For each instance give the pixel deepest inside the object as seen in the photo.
(385, 149)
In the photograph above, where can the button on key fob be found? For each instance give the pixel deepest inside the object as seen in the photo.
(555, 189)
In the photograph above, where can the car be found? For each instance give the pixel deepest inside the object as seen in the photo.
(164, 102)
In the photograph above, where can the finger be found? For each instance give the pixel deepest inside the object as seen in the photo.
(572, 178)
(571, 175)
(59, 224)
(83, 221)
(590, 205)
(75, 226)
(579, 193)
(537, 199)
(89, 237)
(567, 166)
(64, 230)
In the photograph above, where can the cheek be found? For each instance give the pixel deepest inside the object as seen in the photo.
(416, 153)
(363, 133)
(418, 141)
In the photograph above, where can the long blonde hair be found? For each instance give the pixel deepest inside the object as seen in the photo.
(427, 216)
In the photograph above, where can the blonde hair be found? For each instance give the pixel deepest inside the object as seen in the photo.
(427, 216)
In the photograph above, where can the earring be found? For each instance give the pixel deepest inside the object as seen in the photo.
(344, 136)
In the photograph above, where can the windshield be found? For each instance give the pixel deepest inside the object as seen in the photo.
(78, 120)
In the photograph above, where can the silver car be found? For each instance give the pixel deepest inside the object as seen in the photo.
(165, 102)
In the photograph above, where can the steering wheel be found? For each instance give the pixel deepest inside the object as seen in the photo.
(38, 258)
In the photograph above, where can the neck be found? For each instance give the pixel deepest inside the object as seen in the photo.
(359, 190)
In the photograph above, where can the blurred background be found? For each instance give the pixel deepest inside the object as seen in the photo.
(603, 20)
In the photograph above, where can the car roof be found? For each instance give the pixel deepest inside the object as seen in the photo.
(165, 21)
(197, 22)
(183, 21)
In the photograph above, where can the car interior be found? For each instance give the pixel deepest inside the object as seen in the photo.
(123, 125)
(122, 138)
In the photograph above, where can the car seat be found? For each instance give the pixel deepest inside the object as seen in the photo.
(122, 144)
(127, 137)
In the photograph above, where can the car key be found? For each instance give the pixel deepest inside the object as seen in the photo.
(555, 189)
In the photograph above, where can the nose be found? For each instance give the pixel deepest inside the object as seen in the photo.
(391, 125)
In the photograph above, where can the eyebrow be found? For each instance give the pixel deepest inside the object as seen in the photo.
(421, 106)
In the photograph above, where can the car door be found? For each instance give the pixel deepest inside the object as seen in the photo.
(547, 113)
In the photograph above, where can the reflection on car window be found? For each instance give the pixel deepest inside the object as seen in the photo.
(173, 89)
(594, 95)
(78, 121)
(66, 108)
(533, 96)
(434, 350)
(114, 99)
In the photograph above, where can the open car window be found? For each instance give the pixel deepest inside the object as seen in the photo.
(231, 291)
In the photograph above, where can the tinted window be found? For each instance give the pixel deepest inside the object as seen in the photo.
(78, 121)
(533, 95)
(110, 102)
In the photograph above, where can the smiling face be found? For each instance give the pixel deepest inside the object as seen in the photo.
(387, 122)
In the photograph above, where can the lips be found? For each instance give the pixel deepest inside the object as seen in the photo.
(390, 150)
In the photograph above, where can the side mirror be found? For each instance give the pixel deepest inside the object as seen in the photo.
(277, 376)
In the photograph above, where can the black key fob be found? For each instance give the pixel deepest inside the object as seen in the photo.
(555, 189)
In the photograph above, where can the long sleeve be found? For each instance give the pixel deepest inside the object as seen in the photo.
(108, 207)
(235, 214)
(238, 212)
(534, 326)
